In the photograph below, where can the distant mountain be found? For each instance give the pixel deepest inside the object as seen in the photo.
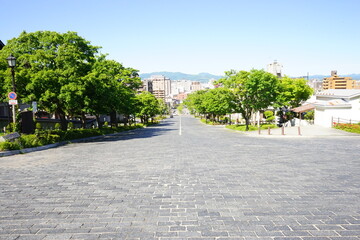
(205, 77)
(201, 77)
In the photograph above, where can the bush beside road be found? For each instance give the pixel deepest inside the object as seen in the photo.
(42, 138)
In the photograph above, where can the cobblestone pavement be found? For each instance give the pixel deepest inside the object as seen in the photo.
(208, 183)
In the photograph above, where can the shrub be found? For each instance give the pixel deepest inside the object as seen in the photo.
(251, 127)
(269, 115)
(70, 125)
(38, 126)
(208, 121)
(9, 146)
(39, 139)
(28, 141)
(57, 126)
(309, 115)
(10, 128)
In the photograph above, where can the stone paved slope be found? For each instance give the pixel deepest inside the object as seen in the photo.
(208, 183)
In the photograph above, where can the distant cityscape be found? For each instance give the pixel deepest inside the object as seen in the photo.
(173, 87)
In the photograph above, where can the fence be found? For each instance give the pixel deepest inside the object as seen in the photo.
(336, 120)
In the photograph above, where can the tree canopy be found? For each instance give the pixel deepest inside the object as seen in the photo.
(254, 90)
(293, 91)
(67, 76)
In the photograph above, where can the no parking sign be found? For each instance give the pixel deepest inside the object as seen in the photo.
(12, 95)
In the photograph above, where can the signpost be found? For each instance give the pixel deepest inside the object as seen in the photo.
(12, 101)
(12, 95)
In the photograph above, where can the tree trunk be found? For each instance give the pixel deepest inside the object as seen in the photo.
(126, 119)
(247, 123)
(113, 119)
(83, 120)
(63, 121)
(98, 121)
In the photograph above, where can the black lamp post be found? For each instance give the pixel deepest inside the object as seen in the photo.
(12, 63)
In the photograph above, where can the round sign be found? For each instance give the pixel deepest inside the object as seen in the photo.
(12, 95)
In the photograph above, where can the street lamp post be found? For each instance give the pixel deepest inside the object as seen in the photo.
(12, 63)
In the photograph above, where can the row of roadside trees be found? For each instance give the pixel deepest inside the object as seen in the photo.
(248, 92)
(68, 76)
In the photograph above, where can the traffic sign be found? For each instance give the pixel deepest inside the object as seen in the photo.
(13, 102)
(12, 95)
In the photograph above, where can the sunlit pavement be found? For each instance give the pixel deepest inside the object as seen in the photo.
(207, 183)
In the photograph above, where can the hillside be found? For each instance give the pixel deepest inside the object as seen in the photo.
(201, 77)
(205, 77)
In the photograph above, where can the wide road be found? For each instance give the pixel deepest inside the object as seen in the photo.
(202, 182)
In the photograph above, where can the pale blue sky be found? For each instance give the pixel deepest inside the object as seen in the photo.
(194, 36)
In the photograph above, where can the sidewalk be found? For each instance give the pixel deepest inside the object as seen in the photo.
(305, 131)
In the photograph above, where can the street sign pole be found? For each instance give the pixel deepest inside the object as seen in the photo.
(13, 96)
(14, 117)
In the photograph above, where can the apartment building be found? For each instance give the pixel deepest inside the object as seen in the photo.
(195, 86)
(158, 85)
(337, 82)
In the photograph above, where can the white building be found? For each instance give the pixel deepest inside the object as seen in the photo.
(335, 105)
(180, 86)
(275, 68)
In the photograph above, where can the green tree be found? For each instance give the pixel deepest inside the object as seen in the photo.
(148, 106)
(195, 103)
(269, 115)
(50, 68)
(180, 108)
(292, 92)
(254, 90)
(219, 101)
(110, 88)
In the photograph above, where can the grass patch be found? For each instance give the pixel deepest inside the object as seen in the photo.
(353, 128)
(251, 127)
(209, 122)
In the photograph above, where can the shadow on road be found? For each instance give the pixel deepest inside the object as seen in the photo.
(148, 132)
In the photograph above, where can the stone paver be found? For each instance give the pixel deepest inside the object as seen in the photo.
(208, 183)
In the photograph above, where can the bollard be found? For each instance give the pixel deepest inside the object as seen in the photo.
(259, 130)
(269, 131)
(282, 130)
(299, 131)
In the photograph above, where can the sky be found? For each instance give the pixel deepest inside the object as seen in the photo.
(194, 36)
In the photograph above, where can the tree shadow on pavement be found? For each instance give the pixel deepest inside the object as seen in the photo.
(148, 132)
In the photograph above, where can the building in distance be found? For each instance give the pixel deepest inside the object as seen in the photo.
(275, 68)
(337, 82)
(158, 85)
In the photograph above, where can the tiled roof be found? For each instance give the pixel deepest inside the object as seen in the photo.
(339, 93)
(332, 103)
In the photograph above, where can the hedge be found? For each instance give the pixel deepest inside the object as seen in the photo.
(46, 137)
